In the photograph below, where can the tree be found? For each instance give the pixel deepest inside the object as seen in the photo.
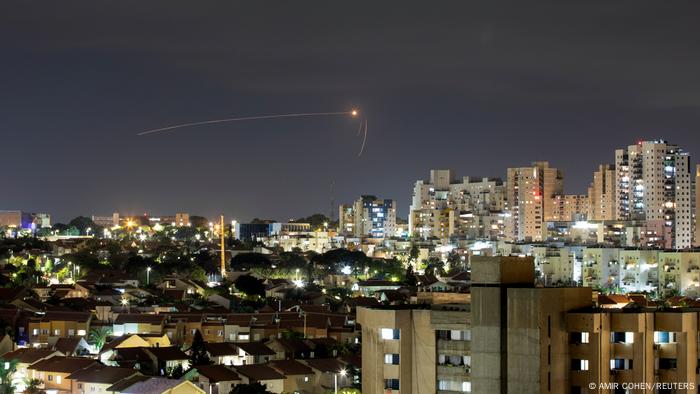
(83, 223)
(98, 336)
(454, 261)
(251, 388)
(435, 266)
(317, 220)
(198, 351)
(33, 386)
(250, 285)
(413, 254)
(6, 371)
(411, 279)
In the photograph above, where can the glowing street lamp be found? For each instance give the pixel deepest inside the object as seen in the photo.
(148, 276)
(342, 373)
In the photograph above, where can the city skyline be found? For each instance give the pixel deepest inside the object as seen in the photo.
(439, 86)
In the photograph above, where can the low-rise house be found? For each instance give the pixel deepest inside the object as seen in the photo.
(166, 359)
(135, 358)
(6, 344)
(10, 294)
(182, 327)
(253, 353)
(74, 346)
(263, 374)
(54, 372)
(111, 296)
(112, 278)
(131, 341)
(351, 304)
(190, 287)
(300, 378)
(26, 357)
(217, 379)
(327, 369)
(55, 324)
(98, 378)
(431, 283)
(134, 323)
(287, 349)
(76, 290)
(371, 286)
(222, 353)
(224, 300)
(213, 330)
(323, 347)
(237, 327)
(139, 385)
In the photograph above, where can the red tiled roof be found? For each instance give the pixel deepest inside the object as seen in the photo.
(167, 353)
(139, 318)
(325, 364)
(102, 374)
(258, 372)
(62, 364)
(28, 355)
(217, 349)
(256, 349)
(290, 367)
(217, 373)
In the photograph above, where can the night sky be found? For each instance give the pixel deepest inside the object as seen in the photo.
(476, 86)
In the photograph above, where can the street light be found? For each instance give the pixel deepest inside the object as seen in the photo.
(148, 276)
(342, 373)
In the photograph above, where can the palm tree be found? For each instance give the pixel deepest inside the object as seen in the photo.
(98, 336)
(6, 372)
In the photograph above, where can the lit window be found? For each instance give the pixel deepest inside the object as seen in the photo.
(81, 333)
(388, 333)
(391, 358)
(584, 337)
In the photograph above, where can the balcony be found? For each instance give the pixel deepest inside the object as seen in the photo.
(453, 348)
(453, 372)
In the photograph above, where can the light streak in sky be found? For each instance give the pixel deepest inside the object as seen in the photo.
(244, 118)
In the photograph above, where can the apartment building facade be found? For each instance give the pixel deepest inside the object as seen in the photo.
(416, 349)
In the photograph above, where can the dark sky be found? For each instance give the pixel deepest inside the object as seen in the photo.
(476, 86)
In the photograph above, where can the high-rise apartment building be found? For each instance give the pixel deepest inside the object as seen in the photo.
(416, 349)
(653, 184)
(601, 194)
(697, 206)
(530, 193)
(569, 208)
(346, 219)
(369, 217)
(470, 208)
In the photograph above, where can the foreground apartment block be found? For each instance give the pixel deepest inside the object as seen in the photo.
(623, 346)
(520, 344)
(416, 349)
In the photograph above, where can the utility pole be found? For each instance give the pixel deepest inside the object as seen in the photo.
(222, 233)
